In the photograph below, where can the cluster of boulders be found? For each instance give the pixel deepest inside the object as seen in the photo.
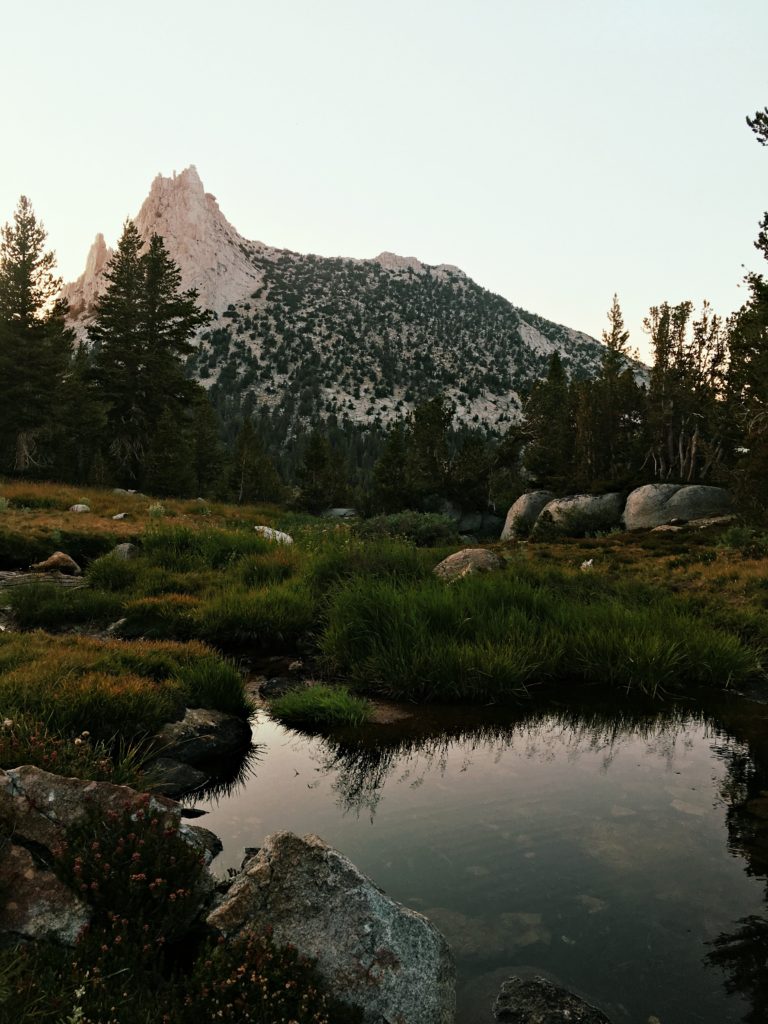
(541, 513)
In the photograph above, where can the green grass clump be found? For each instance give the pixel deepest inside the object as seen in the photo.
(112, 688)
(46, 605)
(186, 548)
(112, 573)
(491, 638)
(321, 706)
(276, 618)
(376, 559)
(274, 566)
(165, 617)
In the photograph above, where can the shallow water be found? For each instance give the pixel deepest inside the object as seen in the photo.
(603, 848)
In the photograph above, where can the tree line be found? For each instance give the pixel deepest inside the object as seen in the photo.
(116, 407)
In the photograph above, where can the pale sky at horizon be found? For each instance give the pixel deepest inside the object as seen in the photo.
(557, 151)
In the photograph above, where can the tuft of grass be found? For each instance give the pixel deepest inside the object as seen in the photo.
(52, 607)
(321, 706)
(112, 688)
(492, 638)
(273, 618)
(377, 559)
(164, 617)
(187, 548)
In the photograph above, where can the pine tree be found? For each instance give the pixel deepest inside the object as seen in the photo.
(390, 491)
(209, 456)
(748, 370)
(428, 458)
(548, 420)
(169, 468)
(253, 475)
(34, 342)
(321, 475)
(141, 330)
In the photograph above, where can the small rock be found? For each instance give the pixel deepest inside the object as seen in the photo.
(667, 528)
(538, 1001)
(278, 685)
(79, 508)
(174, 778)
(202, 734)
(274, 535)
(125, 551)
(467, 563)
(208, 841)
(58, 562)
(121, 515)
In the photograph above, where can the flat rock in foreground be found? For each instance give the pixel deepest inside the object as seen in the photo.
(388, 960)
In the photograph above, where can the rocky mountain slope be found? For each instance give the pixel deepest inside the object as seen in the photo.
(363, 340)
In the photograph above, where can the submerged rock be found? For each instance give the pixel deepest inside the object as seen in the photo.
(538, 1001)
(466, 563)
(174, 778)
(376, 954)
(203, 734)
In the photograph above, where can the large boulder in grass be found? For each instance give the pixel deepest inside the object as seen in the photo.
(277, 536)
(579, 514)
(467, 562)
(657, 504)
(202, 735)
(58, 562)
(538, 1001)
(524, 513)
(374, 953)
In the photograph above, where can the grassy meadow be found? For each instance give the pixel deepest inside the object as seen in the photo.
(655, 613)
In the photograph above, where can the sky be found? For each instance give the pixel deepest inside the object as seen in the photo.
(558, 151)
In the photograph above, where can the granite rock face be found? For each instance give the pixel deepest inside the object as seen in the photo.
(581, 513)
(376, 954)
(34, 904)
(466, 563)
(658, 504)
(524, 513)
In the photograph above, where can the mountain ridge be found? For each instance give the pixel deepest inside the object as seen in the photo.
(358, 339)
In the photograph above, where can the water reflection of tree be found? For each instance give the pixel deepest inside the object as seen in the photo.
(227, 777)
(742, 954)
(361, 764)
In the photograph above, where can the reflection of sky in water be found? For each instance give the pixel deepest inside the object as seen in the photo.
(597, 854)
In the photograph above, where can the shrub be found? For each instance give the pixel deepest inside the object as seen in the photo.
(425, 529)
(321, 706)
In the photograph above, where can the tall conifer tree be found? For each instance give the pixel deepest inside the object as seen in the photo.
(35, 342)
